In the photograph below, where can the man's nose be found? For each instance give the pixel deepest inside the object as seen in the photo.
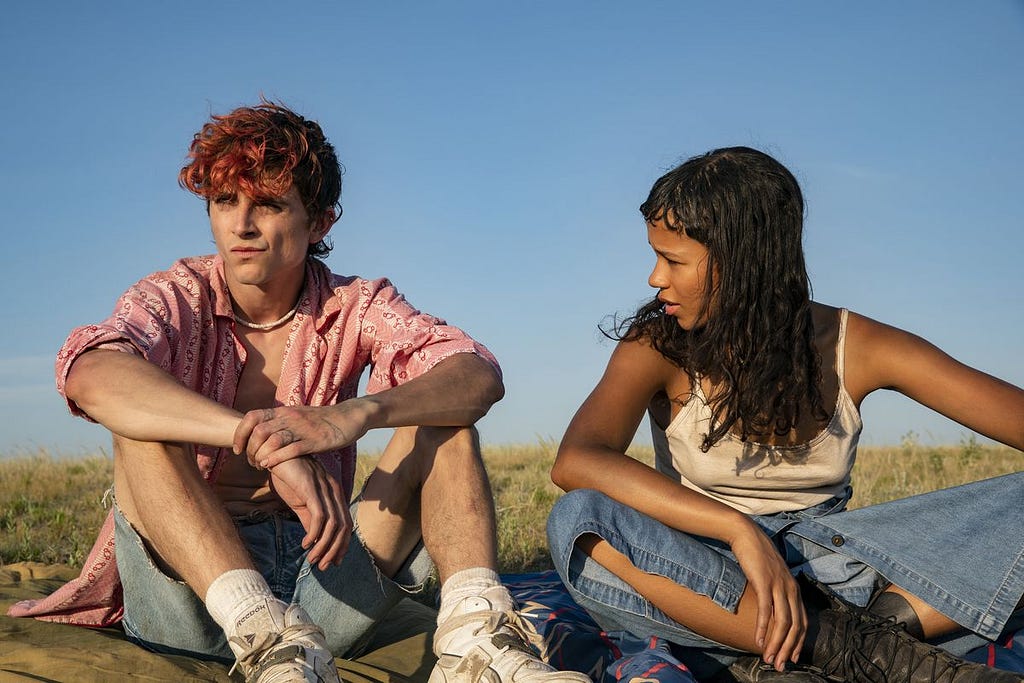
(243, 221)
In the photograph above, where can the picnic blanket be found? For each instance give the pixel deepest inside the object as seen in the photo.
(561, 631)
(33, 650)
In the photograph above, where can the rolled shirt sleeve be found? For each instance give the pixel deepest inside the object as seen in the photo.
(143, 323)
(405, 343)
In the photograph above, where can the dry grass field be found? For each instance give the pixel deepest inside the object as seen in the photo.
(50, 506)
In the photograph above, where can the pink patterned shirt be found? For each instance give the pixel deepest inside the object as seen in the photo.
(181, 320)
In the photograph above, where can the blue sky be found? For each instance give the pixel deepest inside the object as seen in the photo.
(495, 155)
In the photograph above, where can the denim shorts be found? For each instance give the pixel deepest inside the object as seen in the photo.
(347, 601)
(960, 550)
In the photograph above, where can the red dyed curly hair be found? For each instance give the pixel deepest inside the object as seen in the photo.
(262, 151)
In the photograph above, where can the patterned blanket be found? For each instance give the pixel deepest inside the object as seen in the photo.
(568, 638)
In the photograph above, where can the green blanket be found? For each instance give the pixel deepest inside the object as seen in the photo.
(33, 650)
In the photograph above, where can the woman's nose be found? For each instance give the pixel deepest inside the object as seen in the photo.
(657, 278)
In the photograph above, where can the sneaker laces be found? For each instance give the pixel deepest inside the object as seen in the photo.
(259, 653)
(505, 633)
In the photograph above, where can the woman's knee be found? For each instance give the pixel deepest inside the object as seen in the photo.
(573, 515)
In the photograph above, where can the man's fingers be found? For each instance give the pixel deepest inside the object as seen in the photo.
(314, 522)
(256, 426)
(280, 446)
(242, 433)
(321, 555)
(344, 518)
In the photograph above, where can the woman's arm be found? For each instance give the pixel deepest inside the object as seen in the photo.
(592, 452)
(592, 455)
(879, 356)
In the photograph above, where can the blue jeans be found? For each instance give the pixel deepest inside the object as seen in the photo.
(960, 550)
(346, 601)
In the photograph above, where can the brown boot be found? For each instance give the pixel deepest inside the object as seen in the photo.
(855, 645)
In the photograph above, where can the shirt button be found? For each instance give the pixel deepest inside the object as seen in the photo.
(838, 540)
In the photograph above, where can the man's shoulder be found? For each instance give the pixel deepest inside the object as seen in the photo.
(195, 266)
(345, 299)
(184, 282)
(346, 286)
(186, 271)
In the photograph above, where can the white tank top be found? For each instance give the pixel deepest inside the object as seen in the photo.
(758, 479)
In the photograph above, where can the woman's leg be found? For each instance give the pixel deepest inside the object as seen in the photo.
(587, 520)
(696, 612)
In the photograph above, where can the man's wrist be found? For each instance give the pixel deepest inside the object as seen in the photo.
(369, 411)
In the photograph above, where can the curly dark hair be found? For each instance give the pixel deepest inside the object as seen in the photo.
(263, 151)
(757, 344)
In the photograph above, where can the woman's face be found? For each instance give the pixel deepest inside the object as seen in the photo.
(681, 272)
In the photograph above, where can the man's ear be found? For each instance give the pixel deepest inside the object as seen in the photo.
(321, 226)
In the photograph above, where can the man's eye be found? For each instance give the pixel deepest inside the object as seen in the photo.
(224, 199)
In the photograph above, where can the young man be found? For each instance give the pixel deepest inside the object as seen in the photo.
(229, 384)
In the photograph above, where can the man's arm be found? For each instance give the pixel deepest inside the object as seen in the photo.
(134, 398)
(456, 392)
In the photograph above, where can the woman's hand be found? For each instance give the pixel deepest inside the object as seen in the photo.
(781, 617)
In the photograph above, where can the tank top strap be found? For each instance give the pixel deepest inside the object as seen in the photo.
(841, 349)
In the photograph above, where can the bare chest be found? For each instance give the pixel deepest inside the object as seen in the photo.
(257, 387)
(241, 487)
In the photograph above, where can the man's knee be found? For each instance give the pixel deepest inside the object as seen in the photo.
(425, 445)
(443, 441)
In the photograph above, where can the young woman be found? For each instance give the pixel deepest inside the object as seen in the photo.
(753, 392)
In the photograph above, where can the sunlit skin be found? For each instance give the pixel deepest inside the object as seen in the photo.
(680, 273)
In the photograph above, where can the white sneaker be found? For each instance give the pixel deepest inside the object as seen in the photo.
(487, 646)
(296, 654)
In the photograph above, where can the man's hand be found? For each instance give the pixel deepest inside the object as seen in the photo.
(270, 436)
(781, 617)
(319, 501)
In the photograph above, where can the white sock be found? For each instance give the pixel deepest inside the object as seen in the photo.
(473, 590)
(240, 600)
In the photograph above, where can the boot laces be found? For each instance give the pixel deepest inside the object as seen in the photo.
(864, 637)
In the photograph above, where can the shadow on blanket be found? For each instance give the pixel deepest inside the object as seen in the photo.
(33, 650)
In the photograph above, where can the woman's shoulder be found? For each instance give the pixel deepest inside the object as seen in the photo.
(872, 349)
(638, 369)
(638, 355)
(857, 328)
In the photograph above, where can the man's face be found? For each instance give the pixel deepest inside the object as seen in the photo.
(263, 241)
